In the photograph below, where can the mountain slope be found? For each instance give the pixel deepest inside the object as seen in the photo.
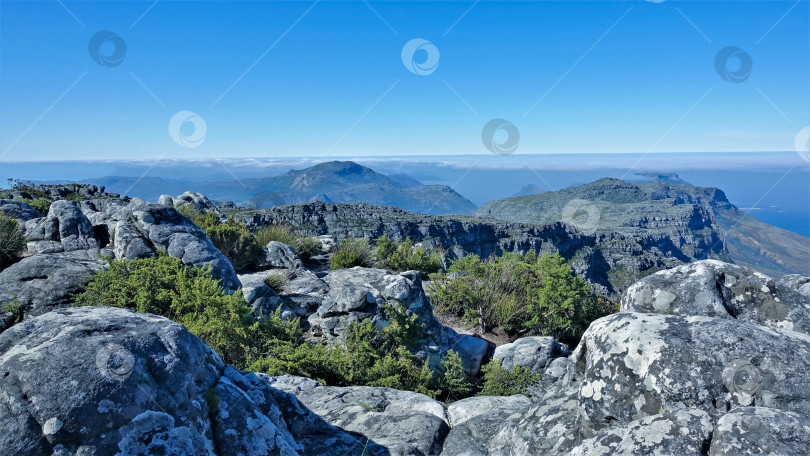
(344, 182)
(661, 209)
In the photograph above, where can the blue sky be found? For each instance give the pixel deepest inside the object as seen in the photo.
(328, 80)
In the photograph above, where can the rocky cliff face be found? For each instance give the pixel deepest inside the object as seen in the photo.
(611, 259)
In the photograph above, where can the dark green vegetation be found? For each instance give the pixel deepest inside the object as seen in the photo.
(519, 293)
(242, 247)
(387, 254)
(12, 240)
(191, 297)
(500, 381)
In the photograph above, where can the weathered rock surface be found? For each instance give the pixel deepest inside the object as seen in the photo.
(682, 432)
(65, 229)
(403, 422)
(459, 412)
(259, 296)
(43, 282)
(279, 255)
(634, 367)
(797, 282)
(721, 290)
(98, 380)
(535, 353)
(198, 200)
(759, 430)
(19, 210)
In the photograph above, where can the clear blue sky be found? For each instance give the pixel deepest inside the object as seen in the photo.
(617, 77)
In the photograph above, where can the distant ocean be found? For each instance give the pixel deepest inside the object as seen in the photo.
(773, 187)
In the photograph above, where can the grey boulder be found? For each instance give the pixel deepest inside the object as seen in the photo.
(43, 282)
(715, 289)
(98, 380)
(19, 210)
(279, 255)
(402, 422)
(65, 229)
(535, 353)
(760, 430)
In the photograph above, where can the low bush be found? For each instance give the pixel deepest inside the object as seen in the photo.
(276, 281)
(41, 204)
(404, 256)
(305, 247)
(236, 243)
(12, 240)
(500, 381)
(537, 295)
(351, 253)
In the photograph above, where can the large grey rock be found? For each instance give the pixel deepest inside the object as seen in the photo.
(760, 430)
(720, 290)
(471, 349)
(797, 282)
(141, 229)
(403, 422)
(65, 229)
(43, 282)
(462, 411)
(19, 210)
(198, 200)
(679, 432)
(259, 296)
(279, 255)
(96, 380)
(535, 353)
(637, 365)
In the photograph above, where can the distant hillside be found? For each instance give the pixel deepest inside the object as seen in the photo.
(662, 211)
(336, 181)
(346, 181)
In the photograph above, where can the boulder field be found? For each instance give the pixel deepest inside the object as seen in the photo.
(707, 358)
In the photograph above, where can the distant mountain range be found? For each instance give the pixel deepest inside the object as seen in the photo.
(664, 215)
(335, 181)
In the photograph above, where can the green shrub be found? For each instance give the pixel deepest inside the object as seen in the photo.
(304, 246)
(192, 297)
(235, 242)
(41, 204)
(457, 382)
(540, 295)
(15, 308)
(500, 381)
(404, 256)
(12, 240)
(276, 281)
(351, 253)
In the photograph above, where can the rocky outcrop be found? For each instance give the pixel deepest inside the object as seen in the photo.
(98, 380)
(19, 210)
(759, 430)
(721, 290)
(279, 255)
(535, 353)
(65, 229)
(199, 201)
(44, 282)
